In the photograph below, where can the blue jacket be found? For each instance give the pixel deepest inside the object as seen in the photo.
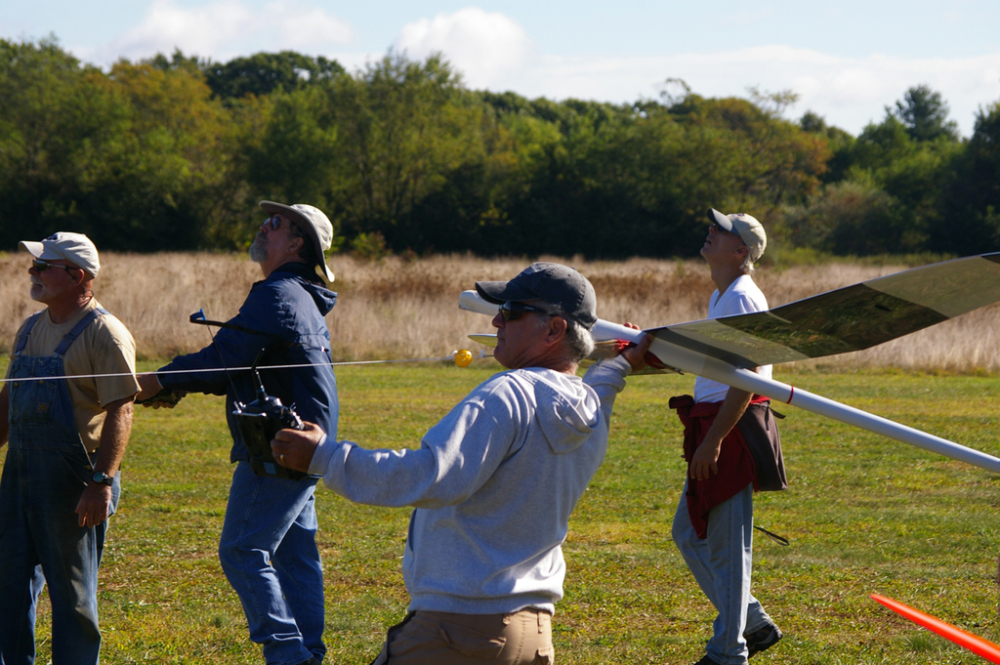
(289, 308)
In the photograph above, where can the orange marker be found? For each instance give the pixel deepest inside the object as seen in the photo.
(973, 643)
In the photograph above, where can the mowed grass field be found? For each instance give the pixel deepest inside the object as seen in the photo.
(864, 515)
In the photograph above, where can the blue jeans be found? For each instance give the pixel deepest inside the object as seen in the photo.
(268, 552)
(721, 564)
(44, 475)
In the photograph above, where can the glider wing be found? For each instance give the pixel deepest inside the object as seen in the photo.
(849, 319)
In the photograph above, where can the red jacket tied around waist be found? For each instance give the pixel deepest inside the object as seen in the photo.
(750, 453)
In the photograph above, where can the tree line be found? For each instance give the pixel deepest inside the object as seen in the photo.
(173, 152)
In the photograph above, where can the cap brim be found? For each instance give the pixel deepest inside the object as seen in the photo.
(39, 251)
(501, 292)
(303, 223)
(36, 249)
(716, 217)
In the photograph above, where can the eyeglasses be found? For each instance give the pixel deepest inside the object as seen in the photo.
(42, 266)
(274, 221)
(511, 311)
(719, 229)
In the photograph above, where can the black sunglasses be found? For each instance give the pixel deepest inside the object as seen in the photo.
(719, 229)
(42, 266)
(511, 311)
(274, 222)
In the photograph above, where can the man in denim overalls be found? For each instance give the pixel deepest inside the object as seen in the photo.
(67, 438)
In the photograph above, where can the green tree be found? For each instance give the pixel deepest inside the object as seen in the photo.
(403, 128)
(972, 202)
(136, 158)
(848, 218)
(261, 74)
(913, 172)
(289, 151)
(618, 180)
(160, 183)
(924, 113)
(839, 142)
(55, 118)
(744, 156)
(177, 60)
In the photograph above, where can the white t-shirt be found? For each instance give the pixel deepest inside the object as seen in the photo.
(742, 297)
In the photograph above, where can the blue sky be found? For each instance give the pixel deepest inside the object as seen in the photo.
(847, 60)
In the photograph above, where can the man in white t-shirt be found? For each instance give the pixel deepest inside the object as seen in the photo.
(713, 527)
(66, 441)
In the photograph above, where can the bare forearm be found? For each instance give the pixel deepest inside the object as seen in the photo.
(95, 502)
(704, 462)
(732, 409)
(114, 436)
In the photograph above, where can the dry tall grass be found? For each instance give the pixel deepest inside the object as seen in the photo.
(408, 309)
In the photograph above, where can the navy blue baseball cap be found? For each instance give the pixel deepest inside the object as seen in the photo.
(552, 283)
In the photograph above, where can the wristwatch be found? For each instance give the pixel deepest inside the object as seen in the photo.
(103, 478)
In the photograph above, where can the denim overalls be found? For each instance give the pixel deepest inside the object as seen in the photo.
(46, 470)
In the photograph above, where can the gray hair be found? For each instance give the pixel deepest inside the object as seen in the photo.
(747, 266)
(579, 341)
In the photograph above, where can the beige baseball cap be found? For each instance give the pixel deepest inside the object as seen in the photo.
(747, 227)
(73, 247)
(313, 221)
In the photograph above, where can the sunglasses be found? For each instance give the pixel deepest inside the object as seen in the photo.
(275, 223)
(511, 311)
(42, 266)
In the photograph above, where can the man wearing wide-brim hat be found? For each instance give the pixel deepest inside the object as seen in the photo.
(268, 545)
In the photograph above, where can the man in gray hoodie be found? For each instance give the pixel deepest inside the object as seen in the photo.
(494, 482)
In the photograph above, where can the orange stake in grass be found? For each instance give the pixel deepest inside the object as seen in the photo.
(973, 643)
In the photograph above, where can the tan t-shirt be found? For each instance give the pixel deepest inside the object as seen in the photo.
(104, 347)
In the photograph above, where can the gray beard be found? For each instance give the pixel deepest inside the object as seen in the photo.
(258, 252)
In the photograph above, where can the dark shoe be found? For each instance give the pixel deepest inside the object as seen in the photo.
(707, 661)
(762, 639)
(311, 661)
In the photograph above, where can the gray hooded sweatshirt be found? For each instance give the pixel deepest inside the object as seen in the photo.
(493, 485)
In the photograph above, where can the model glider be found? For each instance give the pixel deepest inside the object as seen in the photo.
(973, 643)
(848, 319)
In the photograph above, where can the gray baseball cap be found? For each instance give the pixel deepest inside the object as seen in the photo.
(553, 283)
(76, 248)
(313, 221)
(746, 227)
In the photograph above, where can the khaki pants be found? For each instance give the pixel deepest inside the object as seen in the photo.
(442, 638)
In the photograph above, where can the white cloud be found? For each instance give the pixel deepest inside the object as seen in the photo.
(224, 29)
(305, 28)
(848, 92)
(493, 51)
(487, 47)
